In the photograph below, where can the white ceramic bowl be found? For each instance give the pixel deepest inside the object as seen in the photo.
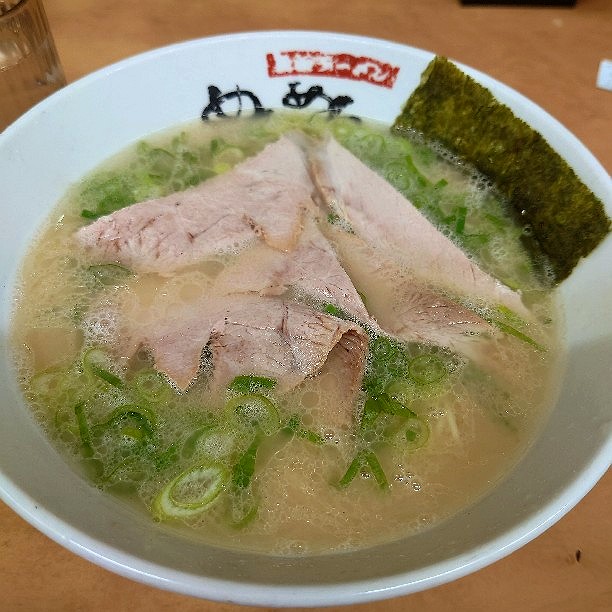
(68, 134)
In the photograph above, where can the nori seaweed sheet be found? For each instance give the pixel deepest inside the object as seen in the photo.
(565, 220)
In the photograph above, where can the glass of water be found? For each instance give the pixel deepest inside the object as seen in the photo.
(29, 66)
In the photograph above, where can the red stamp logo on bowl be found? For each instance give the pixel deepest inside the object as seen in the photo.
(341, 65)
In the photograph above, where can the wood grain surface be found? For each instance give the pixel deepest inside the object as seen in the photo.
(551, 55)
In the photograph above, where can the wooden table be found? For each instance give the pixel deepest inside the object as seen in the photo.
(549, 54)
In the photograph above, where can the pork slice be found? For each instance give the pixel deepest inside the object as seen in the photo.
(382, 216)
(412, 312)
(264, 196)
(312, 270)
(176, 338)
(283, 340)
(246, 333)
(338, 386)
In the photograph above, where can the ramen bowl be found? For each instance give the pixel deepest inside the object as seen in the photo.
(57, 142)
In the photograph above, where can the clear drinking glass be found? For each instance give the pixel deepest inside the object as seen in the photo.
(29, 66)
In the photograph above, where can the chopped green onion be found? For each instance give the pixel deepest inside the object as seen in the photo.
(217, 145)
(511, 331)
(426, 369)
(122, 466)
(371, 411)
(507, 321)
(460, 215)
(402, 390)
(374, 406)
(161, 163)
(498, 222)
(334, 311)
(90, 214)
(377, 470)
(421, 179)
(243, 508)
(168, 457)
(311, 436)
(46, 383)
(107, 193)
(417, 433)
(245, 467)
(389, 405)
(93, 361)
(130, 416)
(84, 431)
(191, 492)
(441, 183)
(474, 242)
(251, 384)
(388, 360)
(293, 426)
(254, 410)
(226, 158)
(240, 517)
(136, 434)
(373, 144)
(353, 469)
(212, 441)
(362, 459)
(190, 444)
(151, 386)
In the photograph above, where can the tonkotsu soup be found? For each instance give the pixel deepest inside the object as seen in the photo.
(287, 334)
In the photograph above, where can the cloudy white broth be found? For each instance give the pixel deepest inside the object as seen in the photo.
(293, 372)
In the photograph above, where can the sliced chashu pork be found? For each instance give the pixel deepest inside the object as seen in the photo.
(311, 270)
(382, 216)
(248, 334)
(284, 340)
(413, 312)
(265, 195)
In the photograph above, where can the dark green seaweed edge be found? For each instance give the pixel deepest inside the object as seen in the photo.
(563, 220)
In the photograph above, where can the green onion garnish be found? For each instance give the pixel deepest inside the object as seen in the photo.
(426, 369)
(245, 467)
(93, 361)
(254, 410)
(251, 384)
(191, 492)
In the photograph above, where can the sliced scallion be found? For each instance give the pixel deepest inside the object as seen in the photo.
(254, 410)
(353, 470)
(416, 433)
(211, 441)
(244, 469)
(251, 384)
(294, 426)
(130, 417)
(511, 331)
(391, 406)
(243, 508)
(426, 369)
(376, 469)
(151, 386)
(362, 459)
(84, 430)
(165, 458)
(371, 411)
(96, 361)
(191, 492)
